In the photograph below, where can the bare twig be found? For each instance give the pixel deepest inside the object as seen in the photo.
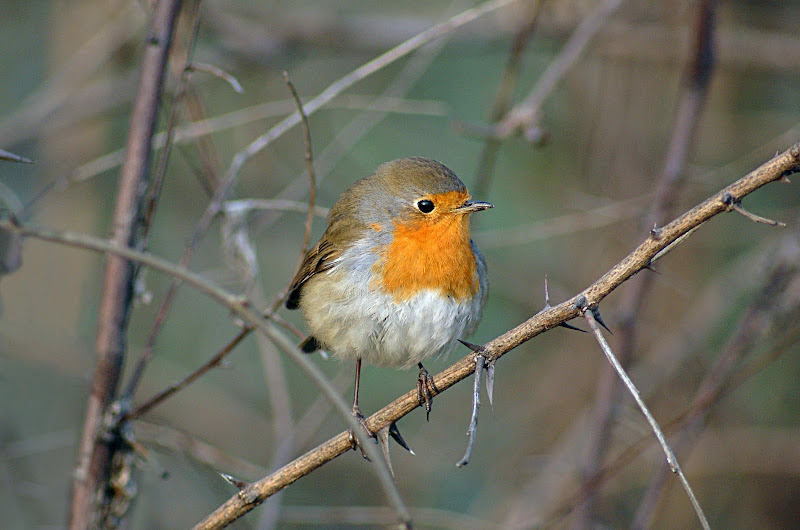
(737, 207)
(191, 131)
(150, 206)
(669, 184)
(523, 118)
(502, 102)
(94, 456)
(217, 72)
(312, 185)
(590, 316)
(480, 363)
(215, 361)
(365, 70)
(252, 318)
(161, 166)
(273, 204)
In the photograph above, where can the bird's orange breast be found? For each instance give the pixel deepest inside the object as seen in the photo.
(431, 254)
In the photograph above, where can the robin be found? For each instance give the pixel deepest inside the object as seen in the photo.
(395, 278)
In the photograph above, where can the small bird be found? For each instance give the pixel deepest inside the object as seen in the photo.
(395, 278)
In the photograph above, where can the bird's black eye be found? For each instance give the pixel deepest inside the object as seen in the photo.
(425, 206)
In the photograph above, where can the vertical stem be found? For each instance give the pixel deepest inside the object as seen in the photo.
(94, 456)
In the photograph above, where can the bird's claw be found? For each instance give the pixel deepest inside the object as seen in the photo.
(426, 389)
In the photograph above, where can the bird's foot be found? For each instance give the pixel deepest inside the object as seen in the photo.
(362, 421)
(426, 389)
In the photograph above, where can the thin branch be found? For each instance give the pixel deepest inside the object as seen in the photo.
(94, 456)
(193, 130)
(736, 206)
(695, 86)
(480, 363)
(174, 388)
(239, 205)
(312, 185)
(365, 70)
(547, 319)
(150, 206)
(235, 304)
(503, 99)
(161, 166)
(217, 72)
(523, 118)
(638, 259)
(590, 317)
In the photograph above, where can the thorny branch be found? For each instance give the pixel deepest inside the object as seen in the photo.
(658, 240)
(592, 317)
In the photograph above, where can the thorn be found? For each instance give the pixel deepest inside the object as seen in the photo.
(570, 326)
(383, 437)
(655, 232)
(490, 382)
(650, 267)
(230, 479)
(473, 347)
(394, 432)
(11, 157)
(596, 313)
(546, 294)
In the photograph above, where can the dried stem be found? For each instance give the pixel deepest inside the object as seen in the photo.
(668, 186)
(94, 456)
(365, 70)
(312, 186)
(523, 118)
(502, 102)
(150, 206)
(590, 317)
(480, 363)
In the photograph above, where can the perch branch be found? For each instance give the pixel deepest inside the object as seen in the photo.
(638, 259)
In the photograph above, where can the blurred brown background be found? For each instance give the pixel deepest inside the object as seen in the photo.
(68, 74)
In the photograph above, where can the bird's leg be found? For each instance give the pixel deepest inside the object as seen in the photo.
(357, 412)
(426, 389)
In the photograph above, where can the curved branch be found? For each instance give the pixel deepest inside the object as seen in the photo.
(658, 243)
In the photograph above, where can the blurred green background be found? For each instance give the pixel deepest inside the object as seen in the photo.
(69, 71)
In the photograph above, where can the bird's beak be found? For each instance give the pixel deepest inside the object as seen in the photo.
(474, 206)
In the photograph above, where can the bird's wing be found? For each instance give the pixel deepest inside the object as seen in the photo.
(319, 259)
